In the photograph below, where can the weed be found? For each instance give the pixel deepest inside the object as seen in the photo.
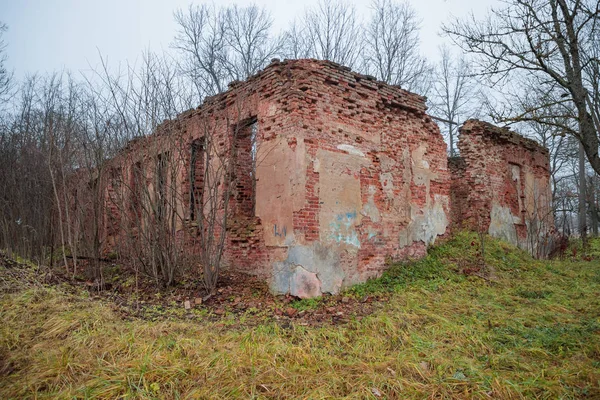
(306, 304)
(533, 294)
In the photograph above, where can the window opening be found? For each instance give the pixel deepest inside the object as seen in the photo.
(245, 153)
(196, 177)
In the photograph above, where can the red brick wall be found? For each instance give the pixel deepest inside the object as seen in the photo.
(501, 174)
(339, 128)
(338, 107)
(348, 173)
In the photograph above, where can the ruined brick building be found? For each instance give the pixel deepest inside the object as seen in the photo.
(336, 173)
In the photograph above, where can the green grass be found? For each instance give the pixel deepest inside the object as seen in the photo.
(306, 304)
(575, 250)
(530, 331)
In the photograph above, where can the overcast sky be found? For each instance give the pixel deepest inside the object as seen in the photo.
(50, 35)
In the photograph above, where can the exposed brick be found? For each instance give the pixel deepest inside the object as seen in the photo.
(500, 170)
(349, 167)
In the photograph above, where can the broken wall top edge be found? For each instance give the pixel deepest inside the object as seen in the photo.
(290, 73)
(500, 135)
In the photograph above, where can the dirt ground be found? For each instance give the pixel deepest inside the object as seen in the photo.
(241, 299)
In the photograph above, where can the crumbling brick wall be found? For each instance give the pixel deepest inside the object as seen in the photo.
(501, 185)
(376, 184)
(344, 173)
(335, 174)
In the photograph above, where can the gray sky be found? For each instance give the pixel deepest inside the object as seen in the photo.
(49, 35)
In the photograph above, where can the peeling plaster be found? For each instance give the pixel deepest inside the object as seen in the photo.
(348, 148)
(279, 190)
(387, 163)
(430, 220)
(531, 193)
(387, 184)
(308, 271)
(502, 224)
(515, 172)
(427, 223)
(421, 173)
(342, 229)
(370, 209)
(340, 199)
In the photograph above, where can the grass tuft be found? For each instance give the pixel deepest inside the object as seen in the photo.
(531, 332)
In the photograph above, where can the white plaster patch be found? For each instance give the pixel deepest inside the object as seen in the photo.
(348, 148)
(422, 174)
(308, 271)
(369, 208)
(304, 284)
(340, 198)
(502, 224)
(426, 224)
(515, 171)
(316, 165)
(432, 223)
(387, 184)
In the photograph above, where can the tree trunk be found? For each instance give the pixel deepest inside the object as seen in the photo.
(593, 207)
(582, 197)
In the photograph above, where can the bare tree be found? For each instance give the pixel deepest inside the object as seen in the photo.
(220, 45)
(391, 50)
(212, 208)
(201, 40)
(592, 200)
(139, 193)
(551, 42)
(539, 222)
(249, 41)
(26, 201)
(39, 142)
(6, 77)
(294, 42)
(561, 149)
(582, 198)
(59, 109)
(332, 32)
(453, 93)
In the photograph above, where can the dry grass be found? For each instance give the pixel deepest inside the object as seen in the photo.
(534, 332)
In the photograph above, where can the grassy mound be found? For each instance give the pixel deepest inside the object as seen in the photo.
(529, 329)
(464, 253)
